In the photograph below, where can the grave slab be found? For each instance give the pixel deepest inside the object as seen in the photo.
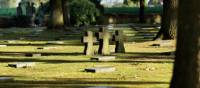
(3, 45)
(33, 54)
(22, 64)
(55, 42)
(99, 87)
(46, 48)
(103, 58)
(104, 69)
(11, 41)
(6, 79)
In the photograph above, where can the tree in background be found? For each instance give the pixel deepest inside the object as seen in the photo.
(186, 71)
(141, 16)
(169, 20)
(56, 15)
(66, 13)
(83, 12)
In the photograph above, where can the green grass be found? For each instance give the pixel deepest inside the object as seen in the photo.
(143, 66)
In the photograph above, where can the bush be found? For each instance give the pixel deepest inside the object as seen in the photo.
(83, 12)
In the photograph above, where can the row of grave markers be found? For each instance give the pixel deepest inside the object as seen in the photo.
(103, 37)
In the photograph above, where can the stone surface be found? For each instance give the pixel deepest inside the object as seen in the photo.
(104, 37)
(119, 39)
(155, 45)
(103, 58)
(11, 41)
(165, 43)
(103, 69)
(89, 40)
(6, 79)
(3, 45)
(46, 48)
(22, 64)
(33, 54)
(99, 87)
(55, 42)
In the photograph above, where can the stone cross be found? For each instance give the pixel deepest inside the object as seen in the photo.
(103, 37)
(119, 39)
(89, 39)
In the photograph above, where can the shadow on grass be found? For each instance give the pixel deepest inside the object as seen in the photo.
(76, 83)
(42, 53)
(9, 60)
(147, 55)
(71, 44)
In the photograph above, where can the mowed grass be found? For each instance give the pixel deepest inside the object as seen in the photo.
(142, 66)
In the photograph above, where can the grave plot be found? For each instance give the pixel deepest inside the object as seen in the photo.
(55, 42)
(33, 54)
(103, 69)
(99, 87)
(5, 79)
(3, 46)
(47, 48)
(163, 43)
(22, 64)
(103, 58)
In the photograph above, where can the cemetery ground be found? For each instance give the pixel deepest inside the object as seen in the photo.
(61, 64)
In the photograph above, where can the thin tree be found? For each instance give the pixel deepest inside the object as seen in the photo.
(56, 20)
(141, 15)
(169, 20)
(66, 12)
(186, 73)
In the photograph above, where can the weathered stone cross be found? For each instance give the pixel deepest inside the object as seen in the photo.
(104, 37)
(89, 39)
(119, 39)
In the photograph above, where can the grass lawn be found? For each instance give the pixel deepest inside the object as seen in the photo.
(143, 66)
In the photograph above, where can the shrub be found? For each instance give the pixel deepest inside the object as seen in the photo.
(83, 12)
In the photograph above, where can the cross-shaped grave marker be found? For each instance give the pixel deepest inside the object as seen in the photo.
(104, 37)
(89, 39)
(119, 39)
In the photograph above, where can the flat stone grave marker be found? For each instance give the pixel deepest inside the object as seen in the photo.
(46, 48)
(119, 39)
(165, 43)
(162, 44)
(89, 40)
(55, 42)
(104, 37)
(6, 79)
(33, 54)
(22, 38)
(155, 45)
(3, 45)
(103, 58)
(99, 87)
(22, 64)
(10, 41)
(103, 69)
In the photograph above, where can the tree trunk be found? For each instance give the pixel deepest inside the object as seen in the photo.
(66, 14)
(141, 15)
(186, 73)
(169, 20)
(56, 20)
